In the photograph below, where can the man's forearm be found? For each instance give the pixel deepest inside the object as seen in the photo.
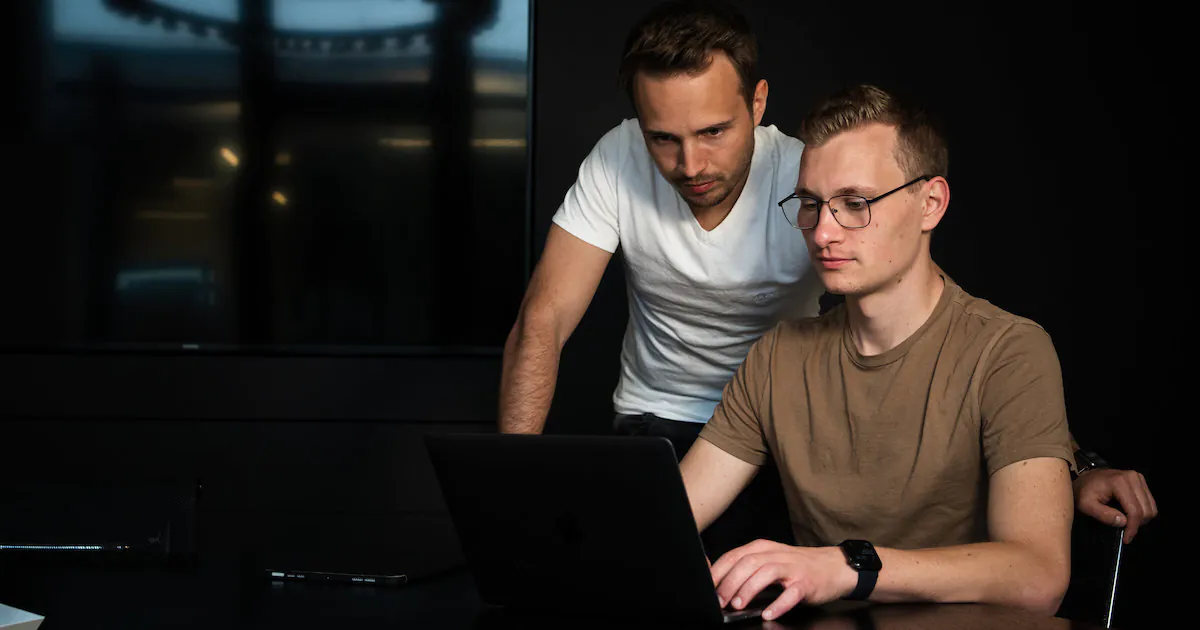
(1004, 573)
(527, 379)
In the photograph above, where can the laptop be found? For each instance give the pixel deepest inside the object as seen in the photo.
(579, 523)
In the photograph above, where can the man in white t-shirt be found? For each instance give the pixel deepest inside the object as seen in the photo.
(689, 191)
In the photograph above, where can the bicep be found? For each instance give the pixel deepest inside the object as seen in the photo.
(1021, 404)
(564, 282)
(713, 479)
(1030, 503)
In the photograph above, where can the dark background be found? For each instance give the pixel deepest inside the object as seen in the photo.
(1056, 116)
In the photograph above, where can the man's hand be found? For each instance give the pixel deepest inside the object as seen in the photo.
(1095, 488)
(813, 575)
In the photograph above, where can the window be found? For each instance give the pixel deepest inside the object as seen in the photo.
(358, 183)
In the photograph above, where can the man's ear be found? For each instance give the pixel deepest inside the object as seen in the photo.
(934, 203)
(760, 101)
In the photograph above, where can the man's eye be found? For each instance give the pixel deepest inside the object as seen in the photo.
(712, 133)
(660, 139)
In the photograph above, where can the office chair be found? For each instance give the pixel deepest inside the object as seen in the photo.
(1096, 551)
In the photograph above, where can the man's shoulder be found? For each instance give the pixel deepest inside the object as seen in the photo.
(982, 318)
(617, 142)
(980, 308)
(782, 150)
(806, 332)
(780, 139)
(620, 153)
(626, 130)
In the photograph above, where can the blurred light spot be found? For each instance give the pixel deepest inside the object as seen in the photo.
(498, 143)
(127, 279)
(496, 83)
(478, 143)
(406, 143)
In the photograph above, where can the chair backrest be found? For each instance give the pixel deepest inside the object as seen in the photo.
(1096, 551)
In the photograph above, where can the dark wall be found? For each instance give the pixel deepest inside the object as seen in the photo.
(181, 387)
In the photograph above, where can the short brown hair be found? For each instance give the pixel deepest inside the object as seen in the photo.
(920, 147)
(680, 37)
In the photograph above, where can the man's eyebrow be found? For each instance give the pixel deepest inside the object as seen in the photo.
(861, 191)
(725, 124)
(656, 132)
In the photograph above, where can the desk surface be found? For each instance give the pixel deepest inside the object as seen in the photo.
(94, 598)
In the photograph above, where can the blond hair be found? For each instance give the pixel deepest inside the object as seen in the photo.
(920, 148)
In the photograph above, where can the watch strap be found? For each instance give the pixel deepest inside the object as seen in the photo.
(1086, 460)
(866, 584)
(861, 556)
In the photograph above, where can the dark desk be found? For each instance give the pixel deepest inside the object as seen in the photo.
(132, 598)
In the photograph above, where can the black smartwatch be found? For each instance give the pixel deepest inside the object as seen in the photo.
(1087, 460)
(861, 557)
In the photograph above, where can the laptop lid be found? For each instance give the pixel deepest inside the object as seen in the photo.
(576, 523)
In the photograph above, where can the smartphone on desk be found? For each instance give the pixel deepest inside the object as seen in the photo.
(359, 579)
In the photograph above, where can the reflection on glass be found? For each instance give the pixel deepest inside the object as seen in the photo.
(358, 184)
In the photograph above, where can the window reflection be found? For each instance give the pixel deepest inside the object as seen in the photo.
(359, 181)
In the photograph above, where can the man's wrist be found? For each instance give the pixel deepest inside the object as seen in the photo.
(1085, 461)
(847, 577)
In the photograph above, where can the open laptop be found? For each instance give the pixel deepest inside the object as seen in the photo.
(578, 524)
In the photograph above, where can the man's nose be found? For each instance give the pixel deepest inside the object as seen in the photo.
(827, 229)
(692, 160)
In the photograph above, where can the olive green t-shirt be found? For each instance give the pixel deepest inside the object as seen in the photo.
(896, 448)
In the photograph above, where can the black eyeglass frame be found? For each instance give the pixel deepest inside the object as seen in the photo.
(824, 202)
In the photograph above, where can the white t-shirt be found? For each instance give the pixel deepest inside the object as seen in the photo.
(697, 299)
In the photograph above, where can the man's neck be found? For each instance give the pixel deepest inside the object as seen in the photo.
(884, 319)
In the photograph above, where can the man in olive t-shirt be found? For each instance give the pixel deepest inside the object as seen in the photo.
(896, 447)
(920, 433)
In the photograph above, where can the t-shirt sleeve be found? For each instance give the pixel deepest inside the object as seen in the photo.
(1022, 410)
(736, 426)
(589, 211)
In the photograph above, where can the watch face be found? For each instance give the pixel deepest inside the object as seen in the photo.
(861, 555)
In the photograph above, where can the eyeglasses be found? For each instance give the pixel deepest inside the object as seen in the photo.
(850, 211)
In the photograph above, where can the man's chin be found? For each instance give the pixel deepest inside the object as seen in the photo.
(711, 197)
(837, 291)
(836, 283)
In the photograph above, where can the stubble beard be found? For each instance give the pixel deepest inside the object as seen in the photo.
(724, 186)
